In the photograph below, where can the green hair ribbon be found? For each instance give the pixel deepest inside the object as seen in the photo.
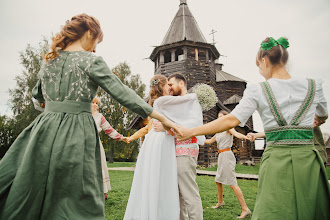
(273, 43)
(282, 41)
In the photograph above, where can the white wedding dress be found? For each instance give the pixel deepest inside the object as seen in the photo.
(154, 194)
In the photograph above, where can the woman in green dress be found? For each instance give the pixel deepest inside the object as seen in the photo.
(53, 169)
(292, 179)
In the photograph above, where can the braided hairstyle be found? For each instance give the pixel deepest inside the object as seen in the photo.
(72, 31)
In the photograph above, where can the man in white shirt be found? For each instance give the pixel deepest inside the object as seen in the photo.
(186, 155)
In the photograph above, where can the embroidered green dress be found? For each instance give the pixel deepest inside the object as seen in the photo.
(292, 179)
(53, 169)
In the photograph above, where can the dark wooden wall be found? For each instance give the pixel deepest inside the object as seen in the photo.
(203, 70)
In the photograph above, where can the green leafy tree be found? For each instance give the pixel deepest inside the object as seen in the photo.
(119, 117)
(21, 95)
(7, 135)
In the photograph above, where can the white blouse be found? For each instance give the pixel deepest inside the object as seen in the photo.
(289, 94)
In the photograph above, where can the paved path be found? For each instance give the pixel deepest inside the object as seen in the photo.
(199, 172)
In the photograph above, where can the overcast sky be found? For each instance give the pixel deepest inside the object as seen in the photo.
(131, 29)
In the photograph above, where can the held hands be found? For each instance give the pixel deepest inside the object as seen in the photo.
(319, 120)
(251, 137)
(127, 140)
(159, 128)
(167, 125)
(186, 133)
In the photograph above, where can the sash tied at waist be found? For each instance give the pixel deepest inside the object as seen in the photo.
(223, 150)
(68, 107)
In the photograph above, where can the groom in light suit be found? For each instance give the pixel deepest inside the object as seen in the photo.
(186, 155)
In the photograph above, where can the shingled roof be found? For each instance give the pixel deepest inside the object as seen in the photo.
(234, 99)
(183, 27)
(223, 76)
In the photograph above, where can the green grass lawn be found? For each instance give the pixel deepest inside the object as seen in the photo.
(240, 169)
(121, 184)
(121, 164)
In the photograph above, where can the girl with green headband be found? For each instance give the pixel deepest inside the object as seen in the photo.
(292, 180)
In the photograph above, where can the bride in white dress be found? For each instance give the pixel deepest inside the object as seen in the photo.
(154, 193)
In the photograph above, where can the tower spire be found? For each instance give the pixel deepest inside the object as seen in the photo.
(183, 2)
(183, 27)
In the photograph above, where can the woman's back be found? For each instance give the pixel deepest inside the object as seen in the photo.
(289, 95)
(66, 77)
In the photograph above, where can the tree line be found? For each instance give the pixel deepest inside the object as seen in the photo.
(24, 112)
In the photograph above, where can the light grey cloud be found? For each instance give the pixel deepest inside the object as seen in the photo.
(131, 28)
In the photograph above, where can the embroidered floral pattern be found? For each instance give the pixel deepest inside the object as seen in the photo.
(76, 70)
(187, 148)
(184, 151)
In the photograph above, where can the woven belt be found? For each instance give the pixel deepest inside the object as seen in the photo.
(289, 135)
(68, 107)
(223, 150)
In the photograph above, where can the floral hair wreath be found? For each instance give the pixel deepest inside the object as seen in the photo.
(154, 82)
(273, 43)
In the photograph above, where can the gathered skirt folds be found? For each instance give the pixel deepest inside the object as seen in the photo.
(154, 194)
(226, 169)
(53, 170)
(292, 184)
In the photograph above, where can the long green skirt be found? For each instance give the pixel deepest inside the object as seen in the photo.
(292, 185)
(53, 170)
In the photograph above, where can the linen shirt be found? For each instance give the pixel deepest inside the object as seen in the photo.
(289, 94)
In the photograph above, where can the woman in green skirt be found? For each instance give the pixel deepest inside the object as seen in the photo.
(53, 169)
(292, 179)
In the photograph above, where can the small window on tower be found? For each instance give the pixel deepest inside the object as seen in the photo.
(179, 54)
(167, 57)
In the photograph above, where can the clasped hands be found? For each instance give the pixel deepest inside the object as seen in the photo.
(173, 129)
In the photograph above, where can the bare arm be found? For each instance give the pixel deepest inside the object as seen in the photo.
(210, 141)
(142, 132)
(167, 124)
(237, 134)
(219, 125)
(254, 136)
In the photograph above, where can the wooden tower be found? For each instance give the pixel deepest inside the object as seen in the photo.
(185, 50)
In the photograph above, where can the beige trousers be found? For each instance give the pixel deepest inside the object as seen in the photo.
(190, 201)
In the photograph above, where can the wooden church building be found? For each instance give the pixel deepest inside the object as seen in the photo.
(185, 50)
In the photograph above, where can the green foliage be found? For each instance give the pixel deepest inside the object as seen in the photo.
(119, 117)
(21, 95)
(7, 135)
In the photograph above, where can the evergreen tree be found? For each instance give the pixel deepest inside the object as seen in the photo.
(119, 117)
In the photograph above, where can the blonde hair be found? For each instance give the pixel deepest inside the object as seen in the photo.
(72, 31)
